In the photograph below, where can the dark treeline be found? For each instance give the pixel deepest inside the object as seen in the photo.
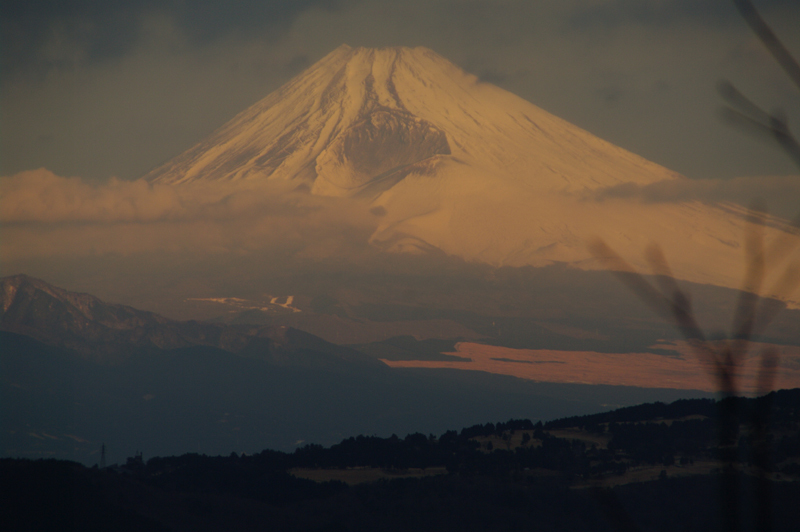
(638, 435)
(784, 406)
(499, 476)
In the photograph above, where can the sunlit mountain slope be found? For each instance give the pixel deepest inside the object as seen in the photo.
(456, 164)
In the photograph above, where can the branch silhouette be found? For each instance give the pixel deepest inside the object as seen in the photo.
(770, 40)
(752, 313)
(746, 114)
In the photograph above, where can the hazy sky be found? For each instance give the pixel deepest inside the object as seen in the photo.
(113, 88)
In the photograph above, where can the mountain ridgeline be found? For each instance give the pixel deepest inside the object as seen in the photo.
(110, 333)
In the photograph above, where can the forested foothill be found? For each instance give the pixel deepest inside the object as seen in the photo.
(649, 467)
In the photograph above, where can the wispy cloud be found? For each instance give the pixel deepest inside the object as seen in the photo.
(779, 195)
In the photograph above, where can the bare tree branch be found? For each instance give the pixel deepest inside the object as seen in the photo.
(770, 40)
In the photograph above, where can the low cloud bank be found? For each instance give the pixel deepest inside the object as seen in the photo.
(779, 195)
(47, 215)
(153, 246)
(40, 196)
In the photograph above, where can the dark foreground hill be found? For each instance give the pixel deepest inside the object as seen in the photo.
(65, 496)
(572, 474)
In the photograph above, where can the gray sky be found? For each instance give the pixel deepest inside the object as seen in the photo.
(113, 88)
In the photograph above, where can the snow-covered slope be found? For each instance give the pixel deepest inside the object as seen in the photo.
(460, 165)
(361, 119)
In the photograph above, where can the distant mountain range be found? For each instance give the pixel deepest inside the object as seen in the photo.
(76, 372)
(110, 333)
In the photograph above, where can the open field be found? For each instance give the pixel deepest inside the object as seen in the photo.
(678, 367)
(361, 475)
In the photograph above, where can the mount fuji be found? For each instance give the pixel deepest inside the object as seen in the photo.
(448, 162)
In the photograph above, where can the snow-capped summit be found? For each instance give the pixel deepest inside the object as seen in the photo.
(460, 165)
(361, 119)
